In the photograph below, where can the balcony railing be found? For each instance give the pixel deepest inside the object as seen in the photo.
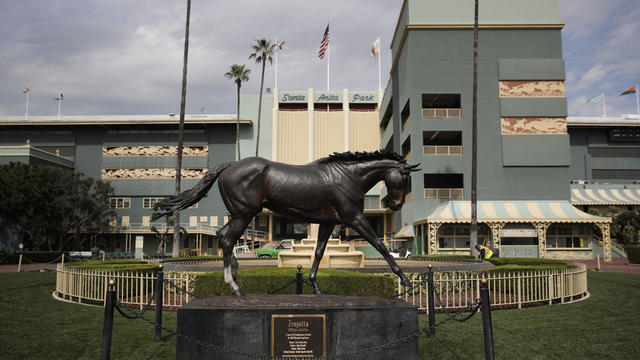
(443, 193)
(447, 150)
(441, 113)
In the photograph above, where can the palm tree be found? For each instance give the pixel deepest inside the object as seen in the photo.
(262, 51)
(473, 230)
(176, 214)
(239, 74)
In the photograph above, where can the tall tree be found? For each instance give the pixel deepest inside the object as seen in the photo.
(175, 251)
(239, 74)
(51, 207)
(262, 52)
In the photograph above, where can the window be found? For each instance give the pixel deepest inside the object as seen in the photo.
(406, 149)
(456, 236)
(150, 202)
(441, 106)
(443, 186)
(439, 143)
(120, 202)
(405, 115)
(569, 236)
(262, 221)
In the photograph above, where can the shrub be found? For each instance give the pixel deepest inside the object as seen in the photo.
(30, 257)
(191, 258)
(443, 257)
(264, 280)
(525, 262)
(115, 265)
(633, 254)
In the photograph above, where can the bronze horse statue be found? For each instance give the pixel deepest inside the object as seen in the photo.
(328, 191)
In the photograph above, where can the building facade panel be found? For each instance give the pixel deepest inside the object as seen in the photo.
(293, 138)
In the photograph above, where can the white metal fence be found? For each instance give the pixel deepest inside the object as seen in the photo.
(510, 289)
(456, 289)
(132, 287)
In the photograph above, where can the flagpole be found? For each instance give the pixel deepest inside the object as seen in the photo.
(637, 101)
(328, 61)
(276, 68)
(379, 68)
(26, 110)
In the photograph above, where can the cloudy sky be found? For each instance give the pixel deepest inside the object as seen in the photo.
(125, 57)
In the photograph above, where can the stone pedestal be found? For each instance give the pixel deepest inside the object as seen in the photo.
(296, 326)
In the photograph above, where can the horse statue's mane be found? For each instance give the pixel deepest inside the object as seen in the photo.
(361, 156)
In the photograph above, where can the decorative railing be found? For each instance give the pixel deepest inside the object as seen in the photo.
(443, 193)
(511, 289)
(435, 150)
(441, 113)
(132, 287)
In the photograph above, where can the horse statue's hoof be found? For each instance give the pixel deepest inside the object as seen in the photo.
(317, 291)
(238, 292)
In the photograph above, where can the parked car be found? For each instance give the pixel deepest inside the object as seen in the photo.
(272, 252)
(240, 249)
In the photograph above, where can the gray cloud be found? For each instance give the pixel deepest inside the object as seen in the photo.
(125, 57)
(117, 57)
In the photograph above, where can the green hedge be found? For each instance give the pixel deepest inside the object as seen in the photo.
(30, 256)
(115, 265)
(633, 254)
(526, 262)
(263, 280)
(443, 257)
(520, 268)
(191, 258)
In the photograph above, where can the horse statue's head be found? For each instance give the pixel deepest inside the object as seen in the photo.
(396, 179)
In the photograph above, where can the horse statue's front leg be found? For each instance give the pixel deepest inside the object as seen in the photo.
(361, 225)
(323, 237)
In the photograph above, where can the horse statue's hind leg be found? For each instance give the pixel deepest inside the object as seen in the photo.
(360, 224)
(230, 234)
(324, 232)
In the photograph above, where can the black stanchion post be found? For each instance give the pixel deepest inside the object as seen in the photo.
(486, 319)
(431, 303)
(107, 329)
(159, 292)
(299, 280)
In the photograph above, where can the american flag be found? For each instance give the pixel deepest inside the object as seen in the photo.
(324, 43)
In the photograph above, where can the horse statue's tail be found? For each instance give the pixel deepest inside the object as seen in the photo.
(191, 196)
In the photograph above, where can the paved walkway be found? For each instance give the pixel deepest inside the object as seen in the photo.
(27, 267)
(618, 265)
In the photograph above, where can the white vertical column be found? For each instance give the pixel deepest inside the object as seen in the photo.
(310, 101)
(345, 108)
(380, 96)
(274, 124)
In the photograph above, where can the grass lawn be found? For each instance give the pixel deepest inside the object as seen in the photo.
(605, 326)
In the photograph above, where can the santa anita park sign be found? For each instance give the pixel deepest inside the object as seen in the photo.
(327, 97)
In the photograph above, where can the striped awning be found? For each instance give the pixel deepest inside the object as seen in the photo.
(405, 232)
(594, 195)
(459, 211)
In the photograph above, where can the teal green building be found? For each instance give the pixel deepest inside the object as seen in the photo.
(523, 144)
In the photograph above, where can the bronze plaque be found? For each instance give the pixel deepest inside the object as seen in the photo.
(298, 336)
